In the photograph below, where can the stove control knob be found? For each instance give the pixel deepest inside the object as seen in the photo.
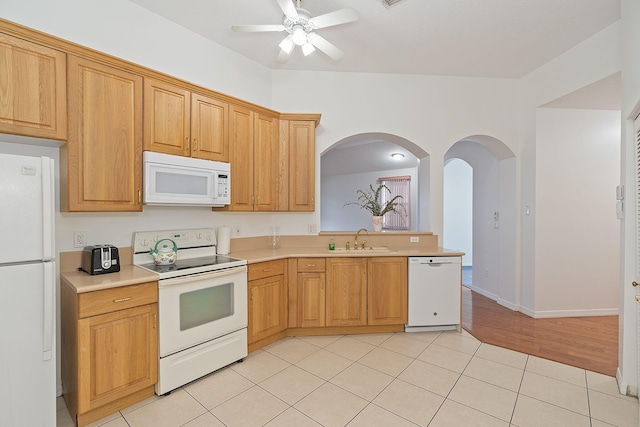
(199, 236)
(208, 237)
(144, 242)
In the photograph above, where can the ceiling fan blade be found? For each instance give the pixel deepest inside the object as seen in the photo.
(341, 16)
(328, 48)
(256, 28)
(283, 56)
(288, 8)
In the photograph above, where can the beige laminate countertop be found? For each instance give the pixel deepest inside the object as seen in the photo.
(128, 275)
(261, 255)
(81, 282)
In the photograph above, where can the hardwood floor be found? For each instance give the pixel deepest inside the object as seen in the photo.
(586, 342)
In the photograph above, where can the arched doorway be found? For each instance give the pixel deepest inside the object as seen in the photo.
(494, 216)
(458, 213)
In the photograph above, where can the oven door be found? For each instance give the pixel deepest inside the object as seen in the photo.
(201, 307)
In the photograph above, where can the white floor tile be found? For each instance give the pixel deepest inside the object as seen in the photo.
(430, 377)
(556, 370)
(176, 409)
(614, 410)
(331, 406)
(254, 407)
(375, 416)
(453, 414)
(452, 360)
(386, 361)
(409, 402)
(218, 387)
(494, 373)
(484, 397)
(502, 355)
(555, 392)
(292, 384)
(535, 413)
(362, 381)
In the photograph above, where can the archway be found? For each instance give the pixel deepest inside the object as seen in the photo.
(355, 162)
(494, 216)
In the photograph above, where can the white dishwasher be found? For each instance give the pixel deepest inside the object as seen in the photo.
(434, 293)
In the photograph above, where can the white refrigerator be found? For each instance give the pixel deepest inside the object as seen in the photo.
(27, 292)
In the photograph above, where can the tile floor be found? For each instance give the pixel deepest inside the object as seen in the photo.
(427, 379)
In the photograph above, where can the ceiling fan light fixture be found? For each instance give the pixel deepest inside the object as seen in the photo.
(307, 48)
(287, 44)
(299, 35)
(397, 156)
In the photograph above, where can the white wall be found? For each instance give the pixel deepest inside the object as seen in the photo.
(577, 232)
(458, 209)
(628, 331)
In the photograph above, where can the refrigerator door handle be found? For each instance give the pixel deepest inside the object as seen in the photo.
(47, 208)
(48, 321)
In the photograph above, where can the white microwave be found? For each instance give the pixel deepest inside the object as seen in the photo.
(177, 180)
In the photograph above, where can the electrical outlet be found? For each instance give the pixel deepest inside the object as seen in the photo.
(313, 229)
(414, 239)
(486, 272)
(236, 230)
(79, 239)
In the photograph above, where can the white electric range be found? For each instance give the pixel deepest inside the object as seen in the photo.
(202, 305)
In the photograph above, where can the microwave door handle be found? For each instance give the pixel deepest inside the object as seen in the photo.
(200, 276)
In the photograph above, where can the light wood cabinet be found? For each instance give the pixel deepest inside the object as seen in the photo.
(346, 294)
(387, 291)
(310, 292)
(109, 349)
(179, 122)
(33, 89)
(267, 300)
(253, 154)
(103, 155)
(302, 172)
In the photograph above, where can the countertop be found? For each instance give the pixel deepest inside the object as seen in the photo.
(261, 255)
(81, 282)
(128, 275)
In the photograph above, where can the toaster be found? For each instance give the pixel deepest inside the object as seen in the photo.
(100, 259)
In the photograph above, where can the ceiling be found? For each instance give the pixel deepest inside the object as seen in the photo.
(473, 38)
(477, 38)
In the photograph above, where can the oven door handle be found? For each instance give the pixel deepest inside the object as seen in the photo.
(200, 276)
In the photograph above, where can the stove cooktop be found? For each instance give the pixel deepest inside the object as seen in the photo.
(215, 262)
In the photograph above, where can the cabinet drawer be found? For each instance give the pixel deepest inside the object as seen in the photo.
(114, 299)
(265, 269)
(310, 265)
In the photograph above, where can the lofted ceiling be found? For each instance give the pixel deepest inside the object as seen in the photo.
(476, 38)
(473, 38)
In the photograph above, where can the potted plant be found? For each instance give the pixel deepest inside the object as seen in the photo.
(369, 199)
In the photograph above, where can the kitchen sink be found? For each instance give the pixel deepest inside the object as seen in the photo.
(369, 250)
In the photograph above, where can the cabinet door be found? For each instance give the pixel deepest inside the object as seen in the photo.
(267, 307)
(302, 157)
(241, 158)
(311, 300)
(265, 163)
(104, 150)
(209, 128)
(167, 117)
(346, 298)
(117, 355)
(387, 291)
(33, 89)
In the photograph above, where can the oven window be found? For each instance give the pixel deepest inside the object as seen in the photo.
(205, 305)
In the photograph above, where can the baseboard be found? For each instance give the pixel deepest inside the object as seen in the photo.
(546, 314)
(508, 304)
(484, 293)
(624, 388)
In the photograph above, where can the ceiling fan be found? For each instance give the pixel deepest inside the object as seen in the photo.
(300, 26)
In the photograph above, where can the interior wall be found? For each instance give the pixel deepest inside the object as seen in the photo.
(577, 232)
(337, 190)
(628, 332)
(458, 209)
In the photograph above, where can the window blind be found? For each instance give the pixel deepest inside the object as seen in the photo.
(399, 185)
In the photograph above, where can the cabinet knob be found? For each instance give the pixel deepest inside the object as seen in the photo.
(634, 283)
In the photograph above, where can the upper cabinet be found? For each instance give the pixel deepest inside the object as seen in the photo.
(179, 122)
(32, 89)
(297, 165)
(103, 154)
(110, 110)
(253, 154)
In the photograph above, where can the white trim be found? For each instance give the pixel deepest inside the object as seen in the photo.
(576, 313)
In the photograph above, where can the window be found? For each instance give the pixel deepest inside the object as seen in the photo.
(399, 185)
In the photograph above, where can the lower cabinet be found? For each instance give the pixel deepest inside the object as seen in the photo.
(109, 349)
(310, 310)
(350, 291)
(267, 300)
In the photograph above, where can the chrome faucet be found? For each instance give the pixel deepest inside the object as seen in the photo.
(355, 240)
